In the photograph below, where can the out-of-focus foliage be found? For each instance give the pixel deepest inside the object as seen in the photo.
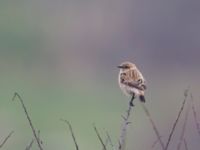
(61, 57)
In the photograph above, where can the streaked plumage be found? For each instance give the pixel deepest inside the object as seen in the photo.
(131, 81)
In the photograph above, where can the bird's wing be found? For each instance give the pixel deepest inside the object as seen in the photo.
(136, 79)
(135, 85)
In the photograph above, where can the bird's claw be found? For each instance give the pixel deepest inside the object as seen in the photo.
(131, 104)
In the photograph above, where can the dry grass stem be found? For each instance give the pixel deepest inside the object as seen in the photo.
(195, 116)
(110, 141)
(30, 145)
(154, 143)
(99, 137)
(106, 142)
(122, 139)
(153, 125)
(177, 119)
(6, 139)
(72, 133)
(184, 126)
(29, 119)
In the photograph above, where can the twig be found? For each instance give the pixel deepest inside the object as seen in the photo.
(153, 125)
(39, 137)
(99, 137)
(154, 143)
(30, 145)
(177, 119)
(29, 119)
(106, 142)
(6, 139)
(122, 139)
(195, 116)
(184, 126)
(185, 144)
(72, 133)
(110, 141)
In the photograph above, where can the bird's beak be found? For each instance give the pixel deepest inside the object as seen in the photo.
(119, 66)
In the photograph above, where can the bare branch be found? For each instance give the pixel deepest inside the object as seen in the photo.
(195, 116)
(122, 139)
(184, 126)
(106, 142)
(72, 133)
(110, 141)
(177, 119)
(30, 145)
(153, 125)
(6, 139)
(99, 137)
(29, 119)
(39, 137)
(154, 143)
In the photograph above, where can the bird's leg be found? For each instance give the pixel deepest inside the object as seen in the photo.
(131, 101)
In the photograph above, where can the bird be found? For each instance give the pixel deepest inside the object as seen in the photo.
(131, 81)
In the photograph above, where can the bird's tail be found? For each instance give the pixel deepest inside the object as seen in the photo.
(142, 98)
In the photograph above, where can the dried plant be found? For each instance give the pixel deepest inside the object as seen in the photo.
(124, 128)
(177, 119)
(72, 133)
(184, 126)
(30, 145)
(126, 122)
(99, 137)
(6, 139)
(29, 120)
(155, 129)
(110, 141)
(195, 116)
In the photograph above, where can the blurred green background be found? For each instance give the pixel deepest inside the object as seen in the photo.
(61, 57)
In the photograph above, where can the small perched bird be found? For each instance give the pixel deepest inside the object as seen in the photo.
(131, 81)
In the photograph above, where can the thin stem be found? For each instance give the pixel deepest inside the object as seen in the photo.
(6, 139)
(154, 143)
(72, 133)
(30, 145)
(99, 137)
(177, 119)
(153, 125)
(110, 141)
(195, 116)
(184, 127)
(29, 119)
(122, 139)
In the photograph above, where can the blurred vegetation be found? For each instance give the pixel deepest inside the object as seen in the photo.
(61, 57)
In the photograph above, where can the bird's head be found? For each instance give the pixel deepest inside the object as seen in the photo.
(126, 66)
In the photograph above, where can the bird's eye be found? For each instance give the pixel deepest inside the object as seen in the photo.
(126, 66)
(139, 80)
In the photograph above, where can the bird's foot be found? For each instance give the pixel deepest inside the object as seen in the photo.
(131, 104)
